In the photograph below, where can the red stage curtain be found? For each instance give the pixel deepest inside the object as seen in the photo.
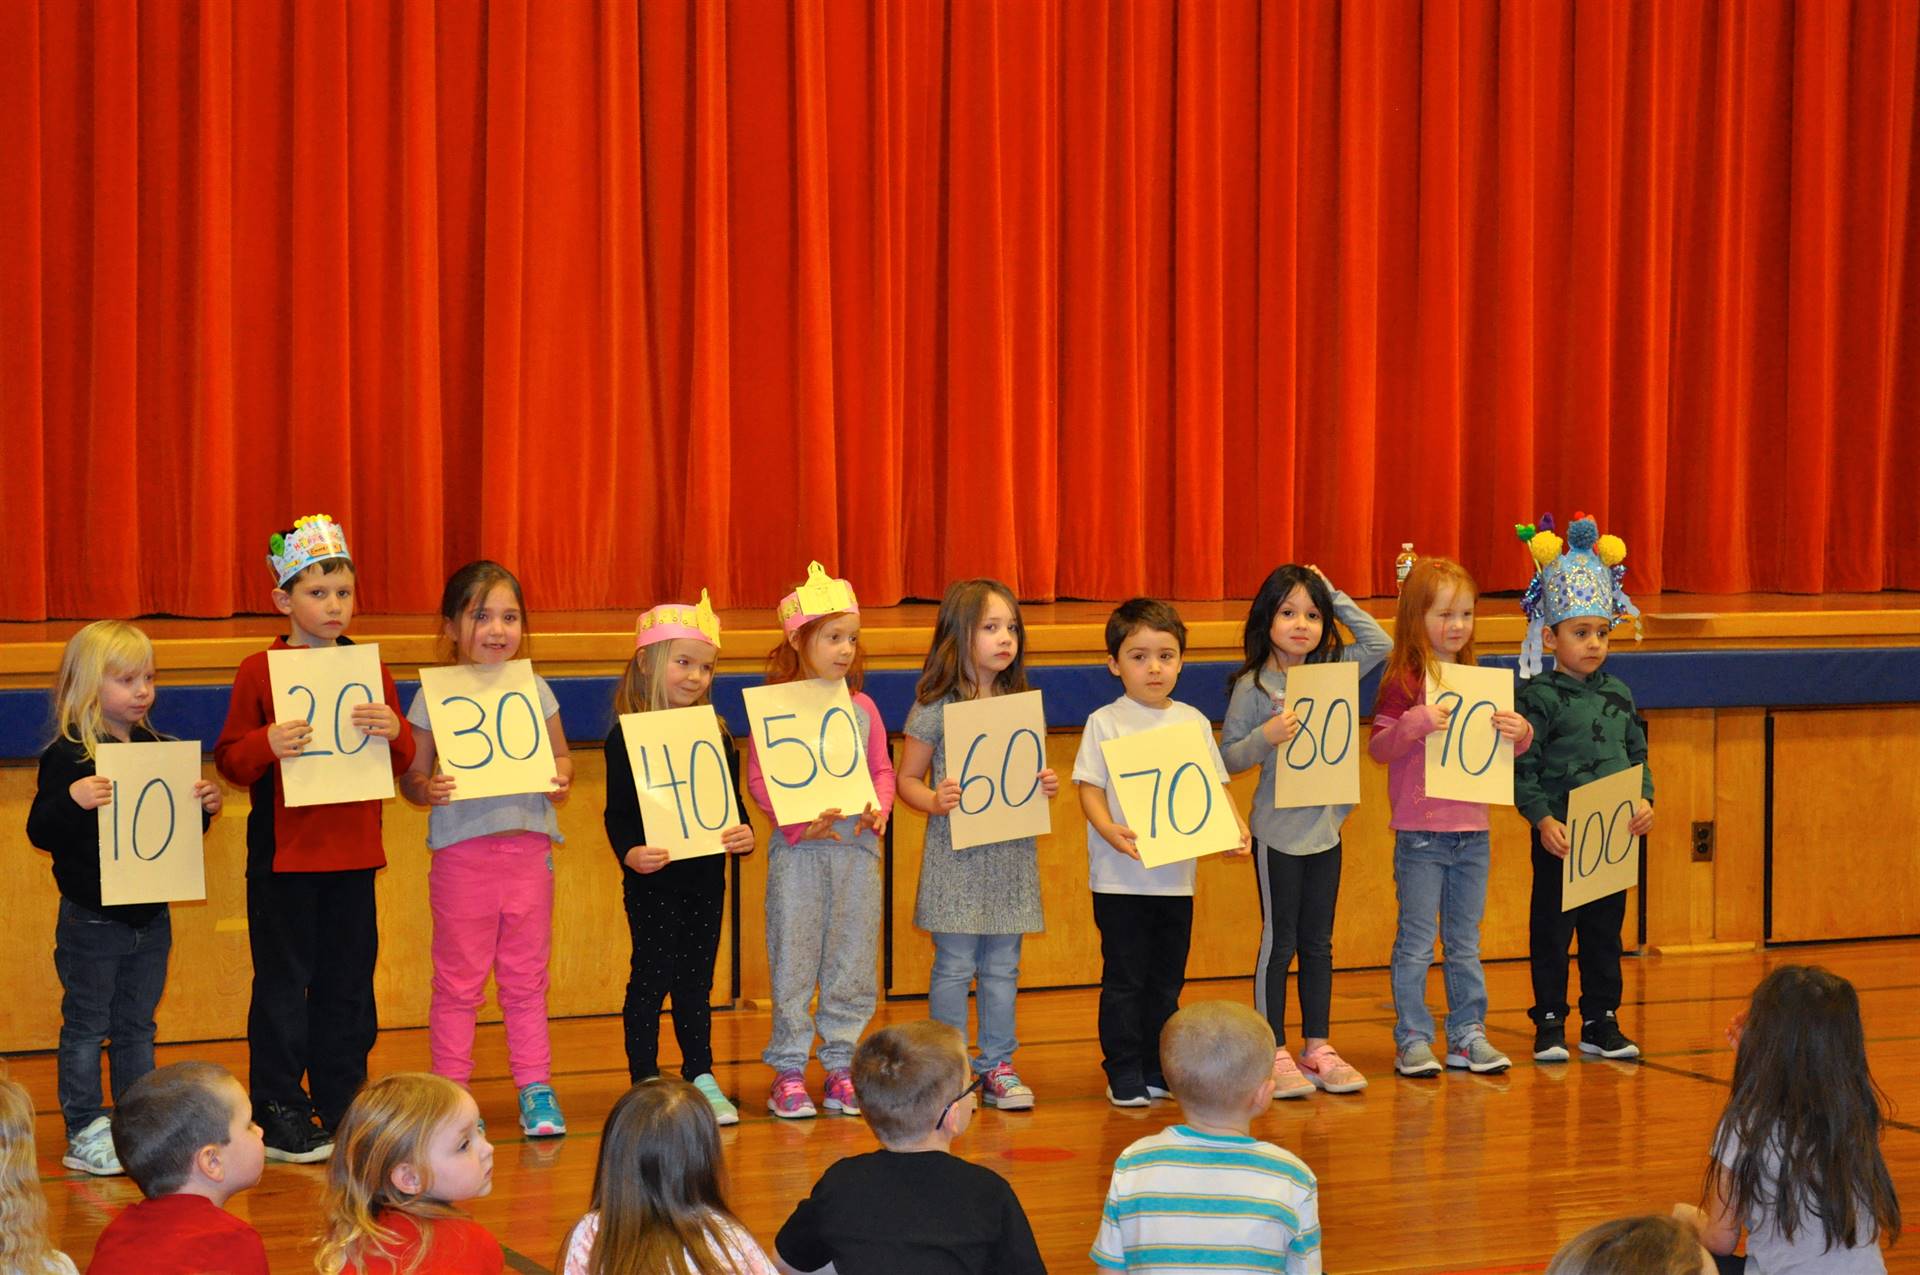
(1096, 297)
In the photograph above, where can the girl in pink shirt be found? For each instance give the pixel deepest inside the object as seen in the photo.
(1441, 851)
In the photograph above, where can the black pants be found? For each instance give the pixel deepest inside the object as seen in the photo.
(1143, 953)
(314, 938)
(676, 938)
(1297, 897)
(1548, 932)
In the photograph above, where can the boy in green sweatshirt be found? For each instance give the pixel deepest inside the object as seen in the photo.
(1585, 728)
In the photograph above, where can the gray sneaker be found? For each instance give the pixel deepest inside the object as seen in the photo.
(1476, 1053)
(1417, 1060)
(91, 1150)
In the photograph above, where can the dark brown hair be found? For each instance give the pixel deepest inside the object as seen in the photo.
(466, 589)
(1802, 1128)
(1277, 588)
(1143, 613)
(949, 665)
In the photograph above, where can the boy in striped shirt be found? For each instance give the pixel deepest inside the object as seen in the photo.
(1206, 1195)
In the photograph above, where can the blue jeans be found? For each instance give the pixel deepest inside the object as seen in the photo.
(1444, 874)
(113, 975)
(991, 960)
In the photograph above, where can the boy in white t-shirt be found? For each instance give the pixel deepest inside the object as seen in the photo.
(1145, 914)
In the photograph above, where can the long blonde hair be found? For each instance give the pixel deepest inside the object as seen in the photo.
(390, 1123)
(1413, 662)
(24, 1246)
(99, 651)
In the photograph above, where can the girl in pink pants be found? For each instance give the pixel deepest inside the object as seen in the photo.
(491, 883)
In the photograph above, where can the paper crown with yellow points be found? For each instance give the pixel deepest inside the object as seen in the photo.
(1583, 576)
(314, 538)
(820, 595)
(672, 620)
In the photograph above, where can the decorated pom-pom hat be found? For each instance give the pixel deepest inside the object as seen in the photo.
(672, 620)
(1583, 576)
(314, 538)
(821, 595)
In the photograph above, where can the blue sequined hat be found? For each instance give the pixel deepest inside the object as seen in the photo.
(1585, 576)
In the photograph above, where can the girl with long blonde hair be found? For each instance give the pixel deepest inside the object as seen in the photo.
(112, 961)
(25, 1248)
(409, 1148)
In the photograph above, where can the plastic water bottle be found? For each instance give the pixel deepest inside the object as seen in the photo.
(1403, 564)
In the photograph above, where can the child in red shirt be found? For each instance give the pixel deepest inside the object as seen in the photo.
(185, 1135)
(409, 1148)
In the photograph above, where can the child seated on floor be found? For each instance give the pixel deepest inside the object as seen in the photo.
(185, 1135)
(912, 1205)
(1240, 1194)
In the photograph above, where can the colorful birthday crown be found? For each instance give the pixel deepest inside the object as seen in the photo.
(314, 538)
(820, 595)
(672, 620)
(1584, 576)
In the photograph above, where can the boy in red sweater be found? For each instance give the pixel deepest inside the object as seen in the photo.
(310, 912)
(186, 1135)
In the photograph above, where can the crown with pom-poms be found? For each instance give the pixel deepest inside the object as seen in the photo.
(821, 595)
(1584, 575)
(672, 620)
(314, 538)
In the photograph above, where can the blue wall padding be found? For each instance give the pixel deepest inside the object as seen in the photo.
(1660, 679)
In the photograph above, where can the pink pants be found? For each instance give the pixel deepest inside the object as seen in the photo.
(492, 903)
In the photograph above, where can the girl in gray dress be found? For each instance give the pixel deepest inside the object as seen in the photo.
(978, 902)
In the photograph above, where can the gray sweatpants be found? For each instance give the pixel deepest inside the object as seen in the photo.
(823, 929)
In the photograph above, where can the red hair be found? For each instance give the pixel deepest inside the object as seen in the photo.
(1413, 660)
(784, 664)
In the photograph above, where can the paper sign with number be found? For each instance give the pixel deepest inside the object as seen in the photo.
(1320, 765)
(488, 730)
(150, 846)
(813, 754)
(996, 749)
(1602, 856)
(680, 772)
(1163, 784)
(1469, 760)
(321, 685)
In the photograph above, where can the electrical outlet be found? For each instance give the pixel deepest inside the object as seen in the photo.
(1703, 841)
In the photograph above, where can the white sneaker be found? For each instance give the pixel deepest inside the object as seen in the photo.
(91, 1150)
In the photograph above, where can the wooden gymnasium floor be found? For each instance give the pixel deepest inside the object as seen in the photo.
(1464, 1173)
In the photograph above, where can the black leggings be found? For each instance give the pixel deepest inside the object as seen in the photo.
(676, 938)
(1297, 897)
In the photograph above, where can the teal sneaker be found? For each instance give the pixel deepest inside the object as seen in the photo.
(724, 1112)
(540, 1112)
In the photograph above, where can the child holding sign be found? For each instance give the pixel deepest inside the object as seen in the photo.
(1296, 851)
(311, 923)
(491, 882)
(673, 907)
(977, 902)
(1587, 728)
(823, 877)
(1145, 914)
(1442, 853)
(112, 961)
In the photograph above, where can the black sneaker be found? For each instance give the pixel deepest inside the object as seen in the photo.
(1550, 1039)
(291, 1134)
(1603, 1036)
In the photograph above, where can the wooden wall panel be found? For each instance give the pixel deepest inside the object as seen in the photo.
(1846, 823)
(1739, 824)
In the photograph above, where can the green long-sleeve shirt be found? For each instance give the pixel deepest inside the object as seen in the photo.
(1583, 730)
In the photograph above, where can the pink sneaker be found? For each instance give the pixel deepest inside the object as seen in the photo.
(789, 1098)
(1287, 1080)
(840, 1095)
(1002, 1088)
(1331, 1072)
